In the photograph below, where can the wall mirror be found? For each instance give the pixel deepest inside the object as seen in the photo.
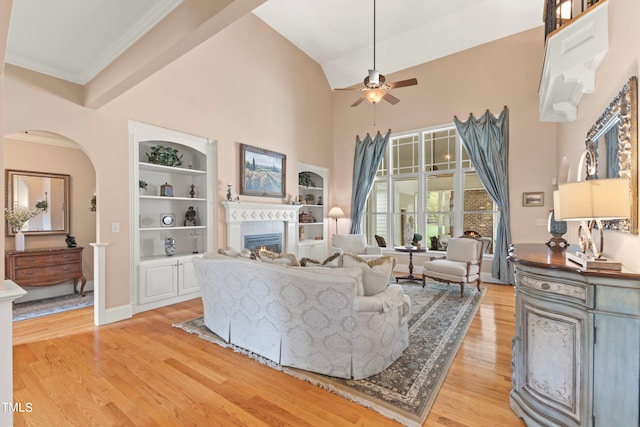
(614, 141)
(49, 191)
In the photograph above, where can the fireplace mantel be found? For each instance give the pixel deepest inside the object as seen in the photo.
(240, 212)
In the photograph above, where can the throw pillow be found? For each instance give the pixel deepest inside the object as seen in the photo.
(282, 259)
(333, 261)
(309, 262)
(375, 273)
(228, 252)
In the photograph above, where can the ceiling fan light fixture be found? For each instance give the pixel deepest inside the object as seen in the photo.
(375, 95)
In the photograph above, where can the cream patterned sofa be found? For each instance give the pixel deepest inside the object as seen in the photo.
(313, 318)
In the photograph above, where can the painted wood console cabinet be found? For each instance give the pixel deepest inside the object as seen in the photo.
(576, 350)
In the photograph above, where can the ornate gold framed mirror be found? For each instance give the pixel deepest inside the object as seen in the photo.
(48, 191)
(614, 141)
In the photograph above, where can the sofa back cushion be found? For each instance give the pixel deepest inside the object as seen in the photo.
(353, 272)
(375, 273)
(353, 243)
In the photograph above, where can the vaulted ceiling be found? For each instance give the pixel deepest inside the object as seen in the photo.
(75, 39)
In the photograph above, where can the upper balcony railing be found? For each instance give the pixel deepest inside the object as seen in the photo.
(561, 12)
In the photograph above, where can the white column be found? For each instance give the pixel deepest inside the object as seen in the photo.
(99, 281)
(292, 237)
(9, 294)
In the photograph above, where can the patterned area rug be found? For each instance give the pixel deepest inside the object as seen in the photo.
(43, 307)
(406, 390)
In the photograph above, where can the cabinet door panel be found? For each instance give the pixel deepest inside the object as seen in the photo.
(616, 371)
(157, 282)
(555, 357)
(188, 282)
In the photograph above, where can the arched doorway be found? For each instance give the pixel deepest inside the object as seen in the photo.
(46, 152)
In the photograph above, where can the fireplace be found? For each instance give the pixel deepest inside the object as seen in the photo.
(249, 218)
(270, 242)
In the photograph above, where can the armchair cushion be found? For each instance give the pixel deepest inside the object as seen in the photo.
(354, 243)
(463, 250)
(372, 250)
(451, 270)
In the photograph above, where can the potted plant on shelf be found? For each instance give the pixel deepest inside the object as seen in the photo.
(416, 240)
(142, 185)
(165, 156)
(304, 178)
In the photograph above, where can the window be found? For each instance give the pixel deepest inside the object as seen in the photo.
(428, 175)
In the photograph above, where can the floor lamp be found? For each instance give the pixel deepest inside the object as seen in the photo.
(336, 212)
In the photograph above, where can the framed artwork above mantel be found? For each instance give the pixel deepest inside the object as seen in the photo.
(262, 172)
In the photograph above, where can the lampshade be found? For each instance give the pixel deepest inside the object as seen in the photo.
(335, 212)
(597, 198)
(557, 209)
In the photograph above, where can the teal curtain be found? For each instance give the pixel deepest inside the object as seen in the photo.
(486, 140)
(366, 161)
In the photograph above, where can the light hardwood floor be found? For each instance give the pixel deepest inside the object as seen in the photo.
(144, 372)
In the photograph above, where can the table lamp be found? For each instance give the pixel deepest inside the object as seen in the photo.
(336, 212)
(590, 202)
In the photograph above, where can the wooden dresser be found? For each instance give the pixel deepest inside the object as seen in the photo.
(45, 267)
(576, 349)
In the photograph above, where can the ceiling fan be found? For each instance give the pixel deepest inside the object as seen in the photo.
(375, 86)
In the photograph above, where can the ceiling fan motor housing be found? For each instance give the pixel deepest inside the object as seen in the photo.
(374, 80)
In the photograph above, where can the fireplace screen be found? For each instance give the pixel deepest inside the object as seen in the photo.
(270, 242)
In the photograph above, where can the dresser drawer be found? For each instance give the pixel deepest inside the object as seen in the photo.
(37, 274)
(575, 292)
(48, 259)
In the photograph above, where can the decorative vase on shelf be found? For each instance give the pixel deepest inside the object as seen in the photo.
(20, 241)
(557, 229)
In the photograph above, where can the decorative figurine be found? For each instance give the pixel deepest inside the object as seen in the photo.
(190, 217)
(170, 246)
(71, 241)
(230, 197)
(195, 243)
(192, 191)
(409, 231)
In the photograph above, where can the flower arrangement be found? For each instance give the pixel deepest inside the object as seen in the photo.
(142, 185)
(17, 217)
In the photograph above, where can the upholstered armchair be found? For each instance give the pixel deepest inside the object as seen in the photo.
(355, 244)
(460, 265)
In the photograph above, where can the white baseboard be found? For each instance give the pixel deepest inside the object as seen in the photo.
(41, 292)
(116, 314)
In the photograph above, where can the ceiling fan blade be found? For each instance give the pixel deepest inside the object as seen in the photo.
(348, 88)
(390, 98)
(358, 101)
(402, 83)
